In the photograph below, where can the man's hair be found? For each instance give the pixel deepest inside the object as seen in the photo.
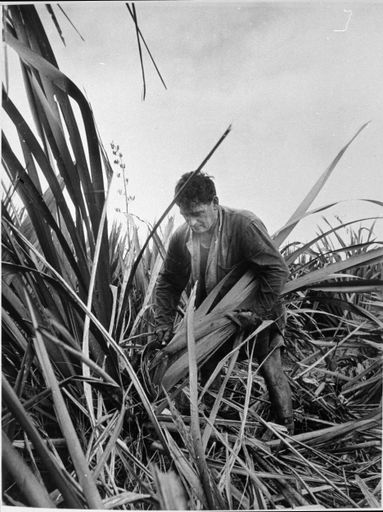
(200, 189)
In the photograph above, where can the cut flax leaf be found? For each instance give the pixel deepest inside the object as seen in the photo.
(205, 347)
(210, 329)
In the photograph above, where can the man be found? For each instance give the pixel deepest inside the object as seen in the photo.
(213, 241)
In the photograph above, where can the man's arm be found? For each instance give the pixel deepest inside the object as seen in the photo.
(171, 282)
(269, 267)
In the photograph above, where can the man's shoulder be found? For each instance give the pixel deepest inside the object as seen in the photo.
(239, 215)
(181, 233)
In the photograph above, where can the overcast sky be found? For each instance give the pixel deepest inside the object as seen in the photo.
(295, 80)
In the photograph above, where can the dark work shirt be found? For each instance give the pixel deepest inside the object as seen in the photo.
(240, 240)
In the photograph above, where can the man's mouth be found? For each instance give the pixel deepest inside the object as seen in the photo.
(199, 229)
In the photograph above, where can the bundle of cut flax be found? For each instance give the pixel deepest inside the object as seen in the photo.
(212, 327)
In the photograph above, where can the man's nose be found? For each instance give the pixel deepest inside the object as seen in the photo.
(192, 222)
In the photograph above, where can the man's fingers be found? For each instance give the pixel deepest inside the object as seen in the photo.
(244, 319)
(164, 334)
(246, 315)
(234, 318)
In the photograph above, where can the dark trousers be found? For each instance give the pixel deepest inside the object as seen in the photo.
(267, 343)
(264, 342)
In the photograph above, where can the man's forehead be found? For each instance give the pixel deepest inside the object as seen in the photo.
(194, 208)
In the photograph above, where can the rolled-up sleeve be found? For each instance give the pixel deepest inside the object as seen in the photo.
(269, 267)
(171, 282)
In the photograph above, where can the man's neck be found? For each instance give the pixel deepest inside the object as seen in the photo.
(205, 238)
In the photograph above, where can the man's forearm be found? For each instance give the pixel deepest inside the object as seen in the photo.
(269, 268)
(166, 301)
(270, 288)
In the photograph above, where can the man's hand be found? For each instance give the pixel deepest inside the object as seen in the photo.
(164, 334)
(245, 319)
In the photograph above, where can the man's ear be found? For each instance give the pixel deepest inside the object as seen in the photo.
(215, 201)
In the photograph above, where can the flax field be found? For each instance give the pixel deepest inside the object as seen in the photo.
(94, 414)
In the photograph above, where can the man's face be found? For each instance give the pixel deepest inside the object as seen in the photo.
(200, 217)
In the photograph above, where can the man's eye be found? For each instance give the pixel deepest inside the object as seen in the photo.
(188, 216)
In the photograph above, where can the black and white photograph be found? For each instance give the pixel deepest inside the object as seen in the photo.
(192, 255)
